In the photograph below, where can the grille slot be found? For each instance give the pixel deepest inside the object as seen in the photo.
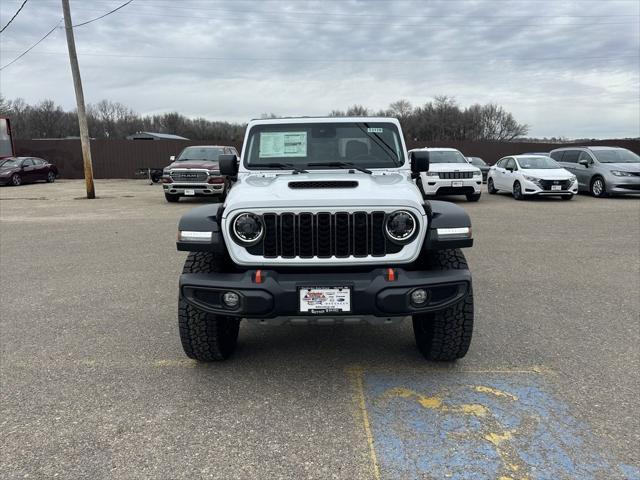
(324, 235)
(324, 184)
(455, 175)
(189, 176)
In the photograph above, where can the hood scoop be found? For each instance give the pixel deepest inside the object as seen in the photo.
(324, 184)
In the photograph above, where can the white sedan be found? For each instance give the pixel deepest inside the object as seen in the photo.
(529, 175)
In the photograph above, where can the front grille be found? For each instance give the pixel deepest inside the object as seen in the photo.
(324, 235)
(546, 184)
(455, 175)
(189, 177)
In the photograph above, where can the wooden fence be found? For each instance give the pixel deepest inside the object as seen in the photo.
(121, 158)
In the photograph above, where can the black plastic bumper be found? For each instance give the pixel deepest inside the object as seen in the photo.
(372, 293)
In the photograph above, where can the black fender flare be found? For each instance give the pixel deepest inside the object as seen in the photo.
(206, 218)
(443, 214)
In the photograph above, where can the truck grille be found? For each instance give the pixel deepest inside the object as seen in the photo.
(189, 176)
(546, 184)
(324, 235)
(455, 175)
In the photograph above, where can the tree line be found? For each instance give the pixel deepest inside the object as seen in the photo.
(439, 119)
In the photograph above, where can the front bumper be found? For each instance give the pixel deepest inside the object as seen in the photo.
(277, 294)
(198, 188)
(530, 188)
(623, 185)
(439, 186)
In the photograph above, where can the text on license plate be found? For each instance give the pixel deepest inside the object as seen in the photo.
(189, 192)
(556, 187)
(325, 299)
(456, 184)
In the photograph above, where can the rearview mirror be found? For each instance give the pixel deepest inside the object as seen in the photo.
(419, 160)
(509, 168)
(172, 158)
(584, 162)
(228, 164)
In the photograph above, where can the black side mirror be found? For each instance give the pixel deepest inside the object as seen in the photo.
(509, 168)
(584, 162)
(419, 160)
(228, 164)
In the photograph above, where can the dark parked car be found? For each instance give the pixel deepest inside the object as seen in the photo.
(480, 163)
(18, 170)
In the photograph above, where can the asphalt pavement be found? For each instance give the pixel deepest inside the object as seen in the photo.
(94, 383)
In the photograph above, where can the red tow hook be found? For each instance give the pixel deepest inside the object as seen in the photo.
(391, 275)
(258, 276)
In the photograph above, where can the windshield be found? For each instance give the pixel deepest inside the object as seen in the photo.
(477, 161)
(446, 156)
(8, 163)
(616, 155)
(200, 153)
(537, 162)
(324, 145)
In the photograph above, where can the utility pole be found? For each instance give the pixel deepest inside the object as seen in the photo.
(82, 114)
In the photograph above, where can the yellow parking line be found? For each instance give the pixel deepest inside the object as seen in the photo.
(357, 379)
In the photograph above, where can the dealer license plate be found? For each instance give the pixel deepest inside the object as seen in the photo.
(189, 192)
(456, 184)
(556, 187)
(318, 300)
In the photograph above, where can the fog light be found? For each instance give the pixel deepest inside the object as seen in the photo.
(419, 296)
(231, 299)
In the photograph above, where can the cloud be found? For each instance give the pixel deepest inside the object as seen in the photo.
(565, 68)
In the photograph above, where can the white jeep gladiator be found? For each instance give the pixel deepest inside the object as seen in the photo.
(325, 225)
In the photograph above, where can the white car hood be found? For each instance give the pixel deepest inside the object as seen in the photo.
(547, 173)
(452, 167)
(273, 191)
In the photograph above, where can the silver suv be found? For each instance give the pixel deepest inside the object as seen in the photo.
(601, 170)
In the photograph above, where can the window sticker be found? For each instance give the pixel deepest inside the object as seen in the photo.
(283, 144)
(375, 130)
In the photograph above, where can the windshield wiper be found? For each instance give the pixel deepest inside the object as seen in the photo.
(341, 165)
(283, 166)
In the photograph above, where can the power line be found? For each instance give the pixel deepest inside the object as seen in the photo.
(385, 24)
(14, 16)
(102, 16)
(31, 47)
(355, 15)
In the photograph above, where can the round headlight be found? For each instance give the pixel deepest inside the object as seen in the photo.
(400, 226)
(248, 228)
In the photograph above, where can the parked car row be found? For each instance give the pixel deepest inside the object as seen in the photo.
(562, 172)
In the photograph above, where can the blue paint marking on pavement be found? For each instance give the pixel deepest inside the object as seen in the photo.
(481, 426)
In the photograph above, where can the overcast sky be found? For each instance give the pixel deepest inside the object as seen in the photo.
(566, 68)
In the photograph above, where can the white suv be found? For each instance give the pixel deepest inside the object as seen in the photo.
(450, 174)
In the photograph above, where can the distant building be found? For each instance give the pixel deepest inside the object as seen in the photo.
(155, 136)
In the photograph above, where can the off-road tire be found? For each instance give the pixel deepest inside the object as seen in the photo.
(205, 337)
(16, 180)
(594, 192)
(51, 177)
(491, 188)
(473, 197)
(445, 335)
(517, 191)
(172, 198)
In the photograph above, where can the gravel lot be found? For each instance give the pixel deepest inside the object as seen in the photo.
(95, 384)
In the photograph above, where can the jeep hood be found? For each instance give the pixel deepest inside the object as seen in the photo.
(318, 189)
